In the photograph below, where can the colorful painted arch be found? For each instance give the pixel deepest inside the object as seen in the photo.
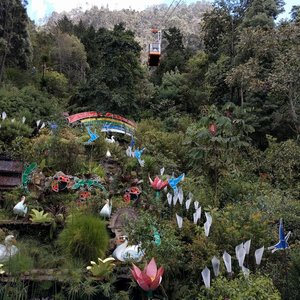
(108, 122)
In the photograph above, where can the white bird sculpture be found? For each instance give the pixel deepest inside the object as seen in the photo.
(20, 209)
(123, 252)
(8, 249)
(111, 140)
(106, 209)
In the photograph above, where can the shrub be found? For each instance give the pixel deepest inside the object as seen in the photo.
(85, 237)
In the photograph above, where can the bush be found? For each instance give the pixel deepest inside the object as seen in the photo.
(85, 237)
(254, 288)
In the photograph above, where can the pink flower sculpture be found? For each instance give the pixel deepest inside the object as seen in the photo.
(158, 184)
(150, 278)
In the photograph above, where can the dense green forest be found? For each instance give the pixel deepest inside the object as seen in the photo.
(222, 108)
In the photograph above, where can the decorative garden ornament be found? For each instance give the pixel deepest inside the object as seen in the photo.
(283, 240)
(207, 224)
(258, 254)
(169, 198)
(108, 154)
(247, 246)
(216, 265)
(138, 154)
(180, 195)
(240, 253)
(198, 212)
(110, 140)
(195, 218)
(93, 135)
(20, 209)
(179, 221)
(162, 171)
(174, 181)
(158, 184)
(106, 209)
(123, 252)
(129, 152)
(4, 115)
(8, 249)
(188, 203)
(150, 278)
(227, 261)
(206, 277)
(103, 268)
(156, 236)
(196, 204)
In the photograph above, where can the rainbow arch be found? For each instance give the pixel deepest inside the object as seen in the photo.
(108, 122)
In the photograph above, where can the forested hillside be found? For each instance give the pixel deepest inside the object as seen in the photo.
(200, 154)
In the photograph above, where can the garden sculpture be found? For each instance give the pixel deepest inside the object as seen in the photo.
(150, 278)
(20, 209)
(123, 252)
(8, 249)
(106, 209)
(282, 244)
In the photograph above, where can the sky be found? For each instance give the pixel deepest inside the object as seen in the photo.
(39, 9)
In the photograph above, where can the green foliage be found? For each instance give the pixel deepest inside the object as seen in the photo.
(282, 161)
(55, 83)
(60, 152)
(19, 264)
(28, 102)
(84, 237)
(15, 48)
(10, 132)
(111, 86)
(40, 216)
(219, 152)
(103, 268)
(253, 288)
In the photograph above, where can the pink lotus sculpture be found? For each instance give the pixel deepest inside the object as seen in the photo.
(150, 278)
(158, 184)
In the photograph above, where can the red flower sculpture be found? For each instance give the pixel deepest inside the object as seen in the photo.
(158, 184)
(150, 278)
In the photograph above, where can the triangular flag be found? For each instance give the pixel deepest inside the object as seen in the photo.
(227, 261)
(240, 254)
(216, 265)
(207, 224)
(169, 197)
(247, 246)
(258, 254)
(206, 277)
(179, 221)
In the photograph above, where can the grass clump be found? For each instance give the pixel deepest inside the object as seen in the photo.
(84, 237)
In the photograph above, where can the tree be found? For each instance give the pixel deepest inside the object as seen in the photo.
(69, 57)
(15, 49)
(174, 55)
(115, 73)
(285, 78)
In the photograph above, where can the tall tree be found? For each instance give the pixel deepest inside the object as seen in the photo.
(115, 73)
(15, 48)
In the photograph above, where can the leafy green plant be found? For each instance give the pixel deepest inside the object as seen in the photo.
(253, 288)
(84, 237)
(40, 216)
(103, 268)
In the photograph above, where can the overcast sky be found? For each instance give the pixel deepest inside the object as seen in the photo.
(39, 9)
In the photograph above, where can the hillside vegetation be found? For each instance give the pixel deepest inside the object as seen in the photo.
(222, 108)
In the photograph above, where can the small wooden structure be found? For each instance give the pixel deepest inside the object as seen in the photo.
(10, 173)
